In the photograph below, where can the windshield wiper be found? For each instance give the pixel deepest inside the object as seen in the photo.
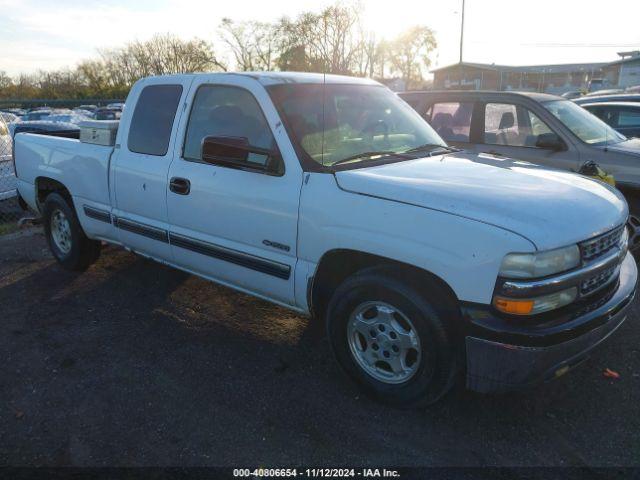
(431, 147)
(364, 155)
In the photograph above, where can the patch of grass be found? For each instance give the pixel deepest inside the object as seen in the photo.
(6, 228)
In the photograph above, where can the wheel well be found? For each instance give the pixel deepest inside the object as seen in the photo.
(45, 186)
(335, 266)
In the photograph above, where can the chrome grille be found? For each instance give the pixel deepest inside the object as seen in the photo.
(598, 281)
(598, 246)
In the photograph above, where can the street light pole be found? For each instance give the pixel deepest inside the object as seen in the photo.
(462, 31)
(461, 43)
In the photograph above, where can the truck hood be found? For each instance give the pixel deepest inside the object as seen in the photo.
(631, 145)
(551, 208)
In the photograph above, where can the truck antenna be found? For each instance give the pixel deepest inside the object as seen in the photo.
(324, 87)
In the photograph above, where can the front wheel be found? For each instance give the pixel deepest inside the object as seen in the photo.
(67, 241)
(633, 225)
(391, 338)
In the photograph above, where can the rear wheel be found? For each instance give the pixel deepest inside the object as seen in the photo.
(67, 241)
(391, 338)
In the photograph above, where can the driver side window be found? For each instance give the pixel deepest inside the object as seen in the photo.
(225, 111)
(512, 125)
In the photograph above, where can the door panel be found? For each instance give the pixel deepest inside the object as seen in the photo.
(236, 226)
(141, 167)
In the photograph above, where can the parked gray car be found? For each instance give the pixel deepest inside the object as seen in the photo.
(622, 97)
(536, 127)
(624, 117)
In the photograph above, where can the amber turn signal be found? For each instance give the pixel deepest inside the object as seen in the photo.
(513, 307)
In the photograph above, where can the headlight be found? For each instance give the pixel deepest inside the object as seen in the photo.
(540, 264)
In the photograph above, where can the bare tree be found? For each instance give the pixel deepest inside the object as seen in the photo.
(254, 45)
(409, 53)
(371, 56)
(329, 41)
(5, 80)
(161, 55)
(333, 40)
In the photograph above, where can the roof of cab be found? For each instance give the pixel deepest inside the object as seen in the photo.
(276, 78)
(536, 96)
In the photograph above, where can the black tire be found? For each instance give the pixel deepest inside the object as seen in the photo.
(82, 251)
(429, 309)
(634, 226)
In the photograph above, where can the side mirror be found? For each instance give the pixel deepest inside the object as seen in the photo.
(236, 152)
(550, 141)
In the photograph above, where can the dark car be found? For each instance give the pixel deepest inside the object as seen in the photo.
(622, 116)
(89, 108)
(571, 95)
(622, 97)
(15, 111)
(107, 114)
(35, 115)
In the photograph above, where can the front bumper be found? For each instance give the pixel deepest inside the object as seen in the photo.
(505, 355)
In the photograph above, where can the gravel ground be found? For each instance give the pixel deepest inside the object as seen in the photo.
(135, 364)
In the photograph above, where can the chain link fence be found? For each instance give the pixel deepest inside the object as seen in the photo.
(10, 211)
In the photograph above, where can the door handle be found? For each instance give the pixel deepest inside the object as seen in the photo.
(496, 154)
(181, 186)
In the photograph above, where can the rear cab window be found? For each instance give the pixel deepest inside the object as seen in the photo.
(451, 120)
(153, 118)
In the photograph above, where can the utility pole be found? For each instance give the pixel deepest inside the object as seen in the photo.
(462, 31)
(461, 43)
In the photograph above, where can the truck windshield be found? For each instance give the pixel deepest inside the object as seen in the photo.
(587, 127)
(350, 124)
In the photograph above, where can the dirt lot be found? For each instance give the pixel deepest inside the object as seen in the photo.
(133, 363)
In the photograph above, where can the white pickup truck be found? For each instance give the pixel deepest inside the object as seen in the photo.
(330, 196)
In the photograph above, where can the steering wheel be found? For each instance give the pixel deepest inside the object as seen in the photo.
(369, 130)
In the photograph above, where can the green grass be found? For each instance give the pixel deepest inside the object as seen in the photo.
(6, 228)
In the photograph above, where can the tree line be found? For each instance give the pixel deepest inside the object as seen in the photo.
(334, 40)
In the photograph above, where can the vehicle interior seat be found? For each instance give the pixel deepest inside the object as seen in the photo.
(506, 136)
(442, 123)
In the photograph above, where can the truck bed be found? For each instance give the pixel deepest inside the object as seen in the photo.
(83, 168)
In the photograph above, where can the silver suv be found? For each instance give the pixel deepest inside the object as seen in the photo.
(536, 127)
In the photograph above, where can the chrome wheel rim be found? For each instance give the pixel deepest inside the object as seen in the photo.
(384, 342)
(633, 225)
(61, 231)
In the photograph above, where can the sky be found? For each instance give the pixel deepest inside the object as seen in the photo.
(39, 34)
